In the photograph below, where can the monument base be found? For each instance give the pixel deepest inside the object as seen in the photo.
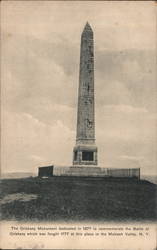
(89, 171)
(84, 171)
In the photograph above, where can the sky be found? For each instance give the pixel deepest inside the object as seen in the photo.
(40, 73)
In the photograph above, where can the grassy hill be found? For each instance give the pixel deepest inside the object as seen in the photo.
(75, 198)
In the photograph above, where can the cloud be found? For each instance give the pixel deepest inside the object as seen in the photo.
(126, 137)
(124, 109)
(131, 157)
(117, 25)
(126, 77)
(126, 123)
(37, 158)
(29, 142)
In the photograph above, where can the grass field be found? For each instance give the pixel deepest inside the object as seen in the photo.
(75, 198)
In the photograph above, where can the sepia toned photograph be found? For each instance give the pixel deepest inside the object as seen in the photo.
(78, 111)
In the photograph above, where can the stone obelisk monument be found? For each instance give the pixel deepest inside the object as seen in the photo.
(85, 151)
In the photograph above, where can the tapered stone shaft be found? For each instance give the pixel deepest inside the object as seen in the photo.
(85, 151)
(85, 113)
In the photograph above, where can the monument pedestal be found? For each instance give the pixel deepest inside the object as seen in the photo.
(85, 155)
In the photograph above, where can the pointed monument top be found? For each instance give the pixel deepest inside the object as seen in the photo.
(87, 28)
